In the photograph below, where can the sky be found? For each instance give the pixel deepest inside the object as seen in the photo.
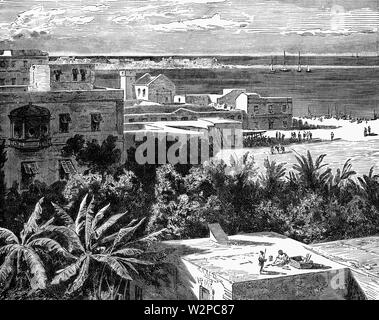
(164, 27)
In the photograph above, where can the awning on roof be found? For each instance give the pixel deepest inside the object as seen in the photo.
(68, 167)
(30, 168)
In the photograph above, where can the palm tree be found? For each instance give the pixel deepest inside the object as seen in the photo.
(116, 252)
(272, 180)
(370, 187)
(308, 172)
(27, 250)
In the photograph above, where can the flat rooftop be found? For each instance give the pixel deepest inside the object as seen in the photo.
(361, 255)
(237, 261)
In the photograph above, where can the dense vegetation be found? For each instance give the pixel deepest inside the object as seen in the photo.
(310, 203)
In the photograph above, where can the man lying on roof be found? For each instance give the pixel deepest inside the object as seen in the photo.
(282, 259)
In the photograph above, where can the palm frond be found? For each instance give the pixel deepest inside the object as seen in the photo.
(64, 216)
(100, 231)
(115, 265)
(80, 218)
(7, 270)
(4, 250)
(68, 272)
(88, 224)
(36, 268)
(147, 240)
(51, 246)
(82, 276)
(125, 234)
(99, 215)
(8, 236)
(69, 235)
(128, 252)
(32, 225)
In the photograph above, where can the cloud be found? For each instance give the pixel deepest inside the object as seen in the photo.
(206, 23)
(95, 8)
(40, 22)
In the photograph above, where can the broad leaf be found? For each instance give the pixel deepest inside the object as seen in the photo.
(36, 268)
(8, 236)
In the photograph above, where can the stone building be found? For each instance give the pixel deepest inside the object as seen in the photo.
(228, 98)
(267, 113)
(225, 267)
(158, 88)
(15, 66)
(36, 124)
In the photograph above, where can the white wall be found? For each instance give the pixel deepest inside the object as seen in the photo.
(39, 78)
(241, 102)
(179, 99)
(139, 92)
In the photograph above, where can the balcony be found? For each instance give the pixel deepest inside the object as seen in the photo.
(30, 144)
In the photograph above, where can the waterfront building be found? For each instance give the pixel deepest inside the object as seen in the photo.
(268, 113)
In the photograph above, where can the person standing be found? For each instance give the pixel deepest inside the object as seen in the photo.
(369, 130)
(261, 260)
(331, 135)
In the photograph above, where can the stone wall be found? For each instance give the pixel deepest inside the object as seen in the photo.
(162, 90)
(322, 285)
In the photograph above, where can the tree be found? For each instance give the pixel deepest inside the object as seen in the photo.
(3, 160)
(100, 252)
(98, 158)
(25, 253)
(308, 172)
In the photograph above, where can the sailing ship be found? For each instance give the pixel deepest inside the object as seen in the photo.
(272, 70)
(308, 68)
(299, 64)
(284, 68)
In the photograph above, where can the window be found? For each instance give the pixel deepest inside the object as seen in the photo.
(284, 108)
(179, 100)
(57, 74)
(271, 124)
(163, 119)
(285, 124)
(75, 74)
(66, 168)
(184, 118)
(13, 64)
(28, 172)
(138, 91)
(239, 117)
(13, 80)
(143, 92)
(256, 109)
(131, 120)
(95, 121)
(2, 82)
(270, 109)
(82, 75)
(25, 63)
(2, 64)
(64, 120)
(25, 80)
(138, 293)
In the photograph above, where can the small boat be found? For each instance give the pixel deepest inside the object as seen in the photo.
(308, 69)
(284, 68)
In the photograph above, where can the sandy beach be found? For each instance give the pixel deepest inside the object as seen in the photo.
(363, 151)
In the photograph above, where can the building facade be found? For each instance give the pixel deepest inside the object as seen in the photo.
(36, 124)
(15, 66)
(268, 113)
(158, 88)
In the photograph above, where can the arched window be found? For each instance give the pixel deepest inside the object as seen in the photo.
(30, 127)
(143, 92)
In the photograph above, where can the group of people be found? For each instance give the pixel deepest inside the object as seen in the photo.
(307, 135)
(281, 259)
(367, 131)
(279, 136)
(278, 148)
(260, 141)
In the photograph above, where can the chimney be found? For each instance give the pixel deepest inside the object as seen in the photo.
(127, 82)
(216, 233)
